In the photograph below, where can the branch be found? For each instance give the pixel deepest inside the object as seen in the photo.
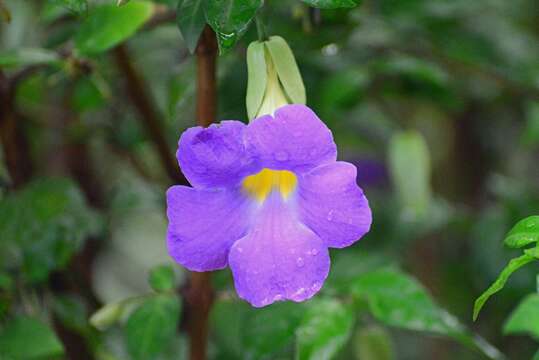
(14, 142)
(199, 294)
(148, 114)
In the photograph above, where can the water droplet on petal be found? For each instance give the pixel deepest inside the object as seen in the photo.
(277, 297)
(316, 286)
(330, 215)
(300, 262)
(281, 156)
(240, 250)
(314, 251)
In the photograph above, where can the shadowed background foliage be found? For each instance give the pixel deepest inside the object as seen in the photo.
(435, 101)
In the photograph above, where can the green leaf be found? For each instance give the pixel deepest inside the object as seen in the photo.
(271, 329)
(409, 165)
(324, 330)
(530, 135)
(75, 6)
(86, 95)
(230, 19)
(525, 318)
(28, 56)
(257, 77)
(374, 343)
(109, 25)
(43, 225)
(536, 356)
(399, 300)
(287, 69)
(71, 310)
(162, 278)
(152, 326)
(29, 338)
(191, 21)
(513, 265)
(525, 232)
(396, 299)
(332, 4)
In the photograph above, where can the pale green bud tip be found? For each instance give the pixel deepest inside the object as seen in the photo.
(107, 316)
(274, 79)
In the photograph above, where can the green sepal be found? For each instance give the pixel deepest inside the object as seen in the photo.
(287, 69)
(257, 77)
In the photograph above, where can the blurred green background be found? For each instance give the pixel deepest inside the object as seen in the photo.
(435, 101)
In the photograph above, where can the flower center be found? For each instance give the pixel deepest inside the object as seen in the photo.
(261, 185)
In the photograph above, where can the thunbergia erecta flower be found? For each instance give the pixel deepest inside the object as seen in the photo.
(268, 200)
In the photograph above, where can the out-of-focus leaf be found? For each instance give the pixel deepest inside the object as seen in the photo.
(525, 232)
(29, 338)
(271, 329)
(122, 2)
(42, 225)
(332, 4)
(28, 56)
(374, 343)
(5, 281)
(324, 330)
(513, 266)
(108, 25)
(399, 300)
(287, 69)
(257, 77)
(162, 278)
(230, 19)
(191, 20)
(409, 164)
(74, 6)
(536, 356)
(530, 135)
(152, 326)
(71, 311)
(87, 95)
(396, 299)
(525, 318)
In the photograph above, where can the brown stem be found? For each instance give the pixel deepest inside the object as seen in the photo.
(199, 294)
(14, 142)
(149, 116)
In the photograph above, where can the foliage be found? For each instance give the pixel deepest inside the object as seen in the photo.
(435, 102)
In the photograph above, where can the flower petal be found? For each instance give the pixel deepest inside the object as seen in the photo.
(333, 205)
(279, 258)
(294, 139)
(203, 225)
(215, 156)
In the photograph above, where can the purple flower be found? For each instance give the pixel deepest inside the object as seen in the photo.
(268, 200)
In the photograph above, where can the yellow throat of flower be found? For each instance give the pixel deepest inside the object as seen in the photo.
(262, 184)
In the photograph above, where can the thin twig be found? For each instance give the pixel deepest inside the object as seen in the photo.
(148, 114)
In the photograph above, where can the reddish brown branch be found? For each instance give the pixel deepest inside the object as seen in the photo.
(149, 116)
(199, 294)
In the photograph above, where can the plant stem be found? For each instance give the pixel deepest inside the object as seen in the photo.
(260, 29)
(12, 136)
(149, 116)
(199, 294)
